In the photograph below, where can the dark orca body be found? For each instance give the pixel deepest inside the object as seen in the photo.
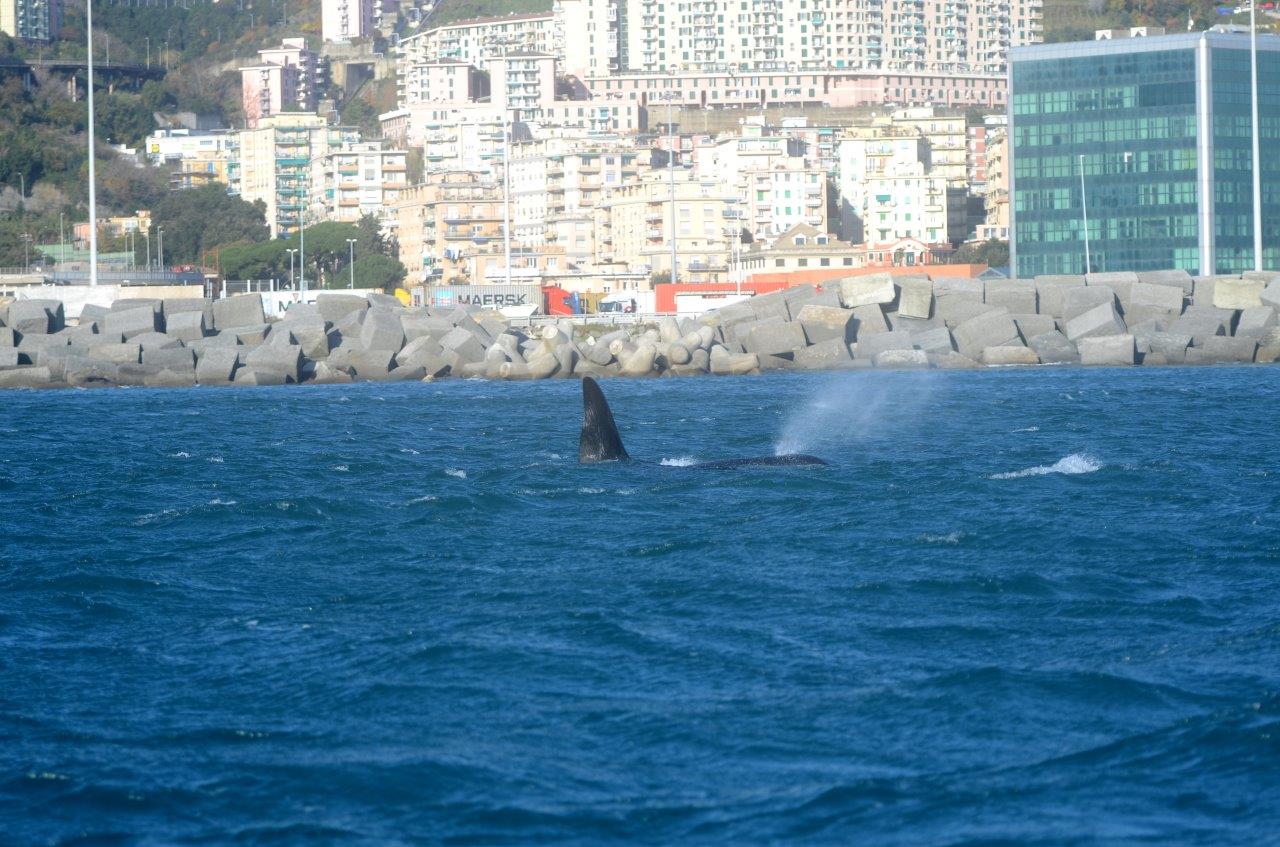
(600, 441)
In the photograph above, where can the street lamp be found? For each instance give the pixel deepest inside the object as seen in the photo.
(351, 262)
(671, 169)
(160, 248)
(1257, 163)
(292, 251)
(93, 183)
(26, 254)
(1084, 215)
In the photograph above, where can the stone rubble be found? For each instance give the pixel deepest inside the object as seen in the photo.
(876, 321)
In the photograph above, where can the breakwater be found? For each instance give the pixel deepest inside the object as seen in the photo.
(875, 321)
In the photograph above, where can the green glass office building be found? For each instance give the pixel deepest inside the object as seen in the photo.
(1160, 127)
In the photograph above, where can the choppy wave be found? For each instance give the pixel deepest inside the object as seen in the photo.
(457, 473)
(1076, 463)
(679, 462)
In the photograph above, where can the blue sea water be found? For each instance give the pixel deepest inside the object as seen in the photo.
(1019, 607)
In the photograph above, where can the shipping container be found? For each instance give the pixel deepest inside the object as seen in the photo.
(511, 300)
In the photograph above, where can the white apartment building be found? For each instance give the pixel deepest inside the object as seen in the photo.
(476, 41)
(918, 35)
(276, 161)
(524, 81)
(634, 224)
(357, 179)
(442, 82)
(779, 188)
(286, 78)
(907, 204)
(585, 36)
(346, 20)
(167, 146)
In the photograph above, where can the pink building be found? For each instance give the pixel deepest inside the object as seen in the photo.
(286, 78)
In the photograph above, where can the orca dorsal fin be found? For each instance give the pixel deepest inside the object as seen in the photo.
(600, 441)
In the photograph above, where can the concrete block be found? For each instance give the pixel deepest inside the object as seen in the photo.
(797, 297)
(991, 329)
(128, 304)
(371, 364)
(329, 374)
(186, 326)
(1099, 321)
(35, 317)
(915, 297)
(1029, 326)
(186, 305)
(828, 296)
(128, 323)
(1200, 323)
(871, 289)
(423, 345)
(869, 320)
(1016, 295)
(239, 311)
(1137, 315)
(116, 353)
(1107, 350)
(216, 365)
(1270, 295)
(90, 313)
(382, 330)
(775, 337)
(766, 306)
(1120, 283)
(250, 336)
(283, 358)
(155, 341)
(81, 334)
(31, 345)
(171, 379)
(26, 378)
(1166, 298)
(464, 344)
(1237, 294)
(1171, 346)
(1052, 292)
(135, 374)
(901, 359)
(1221, 349)
(1176, 278)
(821, 323)
(1006, 355)
(915, 326)
(952, 362)
(172, 358)
(724, 363)
(1267, 355)
(1053, 348)
(872, 345)
(823, 355)
(956, 310)
(389, 301)
(335, 307)
(418, 326)
(83, 372)
(962, 287)
(936, 340)
(8, 357)
(259, 376)
(8, 338)
(406, 373)
(1077, 301)
(1254, 322)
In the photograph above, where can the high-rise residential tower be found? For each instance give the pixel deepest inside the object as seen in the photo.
(31, 20)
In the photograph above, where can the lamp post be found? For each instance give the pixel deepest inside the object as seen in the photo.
(1257, 159)
(507, 127)
(26, 252)
(292, 251)
(1084, 214)
(146, 237)
(351, 262)
(671, 170)
(160, 249)
(22, 181)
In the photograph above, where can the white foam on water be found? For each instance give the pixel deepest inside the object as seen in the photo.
(410, 450)
(217, 460)
(456, 472)
(219, 502)
(1027, 429)
(342, 468)
(590, 490)
(949, 538)
(181, 454)
(1076, 463)
(425, 498)
(679, 462)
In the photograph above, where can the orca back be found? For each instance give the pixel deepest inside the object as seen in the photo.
(599, 441)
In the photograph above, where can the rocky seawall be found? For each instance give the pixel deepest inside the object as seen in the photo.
(876, 321)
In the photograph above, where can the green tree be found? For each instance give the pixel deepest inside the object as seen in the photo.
(993, 253)
(201, 219)
(371, 271)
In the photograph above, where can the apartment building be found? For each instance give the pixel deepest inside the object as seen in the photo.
(476, 41)
(524, 81)
(996, 196)
(274, 161)
(31, 20)
(443, 82)
(167, 146)
(556, 183)
(357, 179)
(801, 248)
(287, 78)
(634, 224)
(347, 20)
(585, 36)
(951, 36)
(443, 224)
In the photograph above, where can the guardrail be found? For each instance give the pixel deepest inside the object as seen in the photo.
(606, 318)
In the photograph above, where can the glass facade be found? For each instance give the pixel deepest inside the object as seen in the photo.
(1127, 115)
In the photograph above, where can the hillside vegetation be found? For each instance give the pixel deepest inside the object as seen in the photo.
(459, 10)
(1076, 20)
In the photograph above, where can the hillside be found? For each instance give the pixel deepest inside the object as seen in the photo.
(1076, 20)
(458, 10)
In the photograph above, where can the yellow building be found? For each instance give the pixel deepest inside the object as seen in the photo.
(445, 223)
